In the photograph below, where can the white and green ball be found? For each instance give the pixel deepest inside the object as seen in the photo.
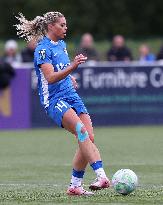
(124, 181)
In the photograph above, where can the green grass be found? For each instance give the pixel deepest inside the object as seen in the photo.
(35, 165)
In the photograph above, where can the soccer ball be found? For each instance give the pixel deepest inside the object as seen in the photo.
(124, 181)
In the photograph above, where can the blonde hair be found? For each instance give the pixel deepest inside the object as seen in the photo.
(36, 28)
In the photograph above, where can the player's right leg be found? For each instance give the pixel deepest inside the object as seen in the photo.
(84, 154)
(87, 153)
(101, 181)
(66, 117)
(73, 124)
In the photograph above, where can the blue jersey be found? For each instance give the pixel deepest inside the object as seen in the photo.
(55, 53)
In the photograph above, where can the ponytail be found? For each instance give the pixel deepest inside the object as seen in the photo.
(36, 28)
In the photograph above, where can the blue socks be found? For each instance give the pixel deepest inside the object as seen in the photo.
(78, 174)
(96, 165)
(76, 179)
(98, 169)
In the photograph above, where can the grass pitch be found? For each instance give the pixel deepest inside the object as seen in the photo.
(35, 165)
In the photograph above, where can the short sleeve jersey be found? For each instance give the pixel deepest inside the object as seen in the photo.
(55, 53)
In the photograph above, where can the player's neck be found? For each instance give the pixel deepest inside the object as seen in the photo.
(52, 37)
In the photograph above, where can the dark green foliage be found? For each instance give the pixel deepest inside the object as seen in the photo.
(103, 18)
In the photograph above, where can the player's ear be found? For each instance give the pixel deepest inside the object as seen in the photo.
(50, 26)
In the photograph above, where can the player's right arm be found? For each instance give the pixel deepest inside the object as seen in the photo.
(43, 59)
(51, 76)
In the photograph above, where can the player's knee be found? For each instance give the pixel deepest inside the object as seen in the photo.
(81, 132)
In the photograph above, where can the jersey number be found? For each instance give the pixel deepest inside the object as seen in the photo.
(60, 105)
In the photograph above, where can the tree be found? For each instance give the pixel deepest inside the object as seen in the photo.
(102, 18)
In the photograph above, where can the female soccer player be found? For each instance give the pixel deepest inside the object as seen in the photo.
(58, 95)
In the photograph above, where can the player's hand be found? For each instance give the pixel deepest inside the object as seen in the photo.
(79, 59)
(74, 82)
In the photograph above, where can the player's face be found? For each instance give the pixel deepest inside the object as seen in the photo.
(59, 28)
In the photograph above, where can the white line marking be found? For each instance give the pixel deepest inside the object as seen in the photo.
(16, 185)
(66, 185)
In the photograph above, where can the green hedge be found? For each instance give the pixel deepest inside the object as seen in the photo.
(103, 18)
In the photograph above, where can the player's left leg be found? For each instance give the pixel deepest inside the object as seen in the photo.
(73, 124)
(79, 161)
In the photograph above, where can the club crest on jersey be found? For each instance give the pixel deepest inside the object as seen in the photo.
(42, 54)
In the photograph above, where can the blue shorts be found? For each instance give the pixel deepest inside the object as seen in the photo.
(57, 110)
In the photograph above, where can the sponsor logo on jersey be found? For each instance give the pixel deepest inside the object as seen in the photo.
(62, 66)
